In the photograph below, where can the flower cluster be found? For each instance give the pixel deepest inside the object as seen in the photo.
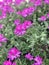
(36, 2)
(26, 11)
(13, 53)
(38, 60)
(4, 9)
(21, 28)
(44, 17)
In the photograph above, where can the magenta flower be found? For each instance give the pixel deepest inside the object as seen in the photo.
(13, 53)
(38, 59)
(18, 2)
(27, 24)
(26, 11)
(36, 64)
(29, 56)
(2, 38)
(7, 2)
(19, 30)
(4, 9)
(42, 18)
(46, 1)
(31, 10)
(7, 62)
(3, 14)
(38, 2)
(32, 1)
(1, 4)
(13, 63)
(8, 9)
(1, 26)
(17, 22)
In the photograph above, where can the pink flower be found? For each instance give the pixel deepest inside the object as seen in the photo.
(13, 53)
(1, 4)
(46, 1)
(7, 2)
(31, 10)
(14, 63)
(4, 9)
(1, 26)
(3, 14)
(19, 30)
(38, 2)
(42, 18)
(38, 59)
(8, 9)
(26, 11)
(7, 62)
(27, 24)
(18, 2)
(17, 22)
(32, 1)
(36, 64)
(2, 38)
(29, 56)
